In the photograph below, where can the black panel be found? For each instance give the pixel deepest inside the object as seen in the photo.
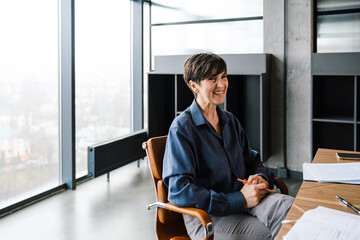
(161, 103)
(235, 97)
(105, 157)
(357, 80)
(184, 94)
(357, 137)
(333, 97)
(243, 100)
(265, 113)
(252, 110)
(333, 136)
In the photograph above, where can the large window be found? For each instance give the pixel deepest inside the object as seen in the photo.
(29, 105)
(245, 37)
(38, 68)
(102, 43)
(338, 26)
(187, 27)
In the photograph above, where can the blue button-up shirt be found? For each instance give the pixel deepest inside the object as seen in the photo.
(201, 167)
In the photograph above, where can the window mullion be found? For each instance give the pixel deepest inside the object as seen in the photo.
(67, 85)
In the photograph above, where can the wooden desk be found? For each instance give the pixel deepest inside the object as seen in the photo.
(313, 194)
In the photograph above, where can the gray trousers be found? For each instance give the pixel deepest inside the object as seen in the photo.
(260, 222)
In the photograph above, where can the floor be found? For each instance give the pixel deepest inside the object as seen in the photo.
(97, 209)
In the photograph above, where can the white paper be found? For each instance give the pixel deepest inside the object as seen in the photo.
(332, 172)
(325, 224)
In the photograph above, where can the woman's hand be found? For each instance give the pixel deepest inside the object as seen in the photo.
(255, 179)
(254, 192)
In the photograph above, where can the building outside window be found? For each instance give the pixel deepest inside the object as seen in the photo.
(30, 159)
(29, 105)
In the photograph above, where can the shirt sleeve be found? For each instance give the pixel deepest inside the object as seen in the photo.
(179, 177)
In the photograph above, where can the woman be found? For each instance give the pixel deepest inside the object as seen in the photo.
(206, 152)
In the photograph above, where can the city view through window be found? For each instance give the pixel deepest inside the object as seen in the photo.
(29, 93)
(29, 105)
(102, 74)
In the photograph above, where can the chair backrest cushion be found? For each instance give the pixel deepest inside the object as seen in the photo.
(156, 149)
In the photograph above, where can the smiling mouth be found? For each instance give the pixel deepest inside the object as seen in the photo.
(219, 92)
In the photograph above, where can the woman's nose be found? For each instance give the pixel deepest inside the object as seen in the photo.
(220, 82)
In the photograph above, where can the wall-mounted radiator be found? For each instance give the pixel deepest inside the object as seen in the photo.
(107, 156)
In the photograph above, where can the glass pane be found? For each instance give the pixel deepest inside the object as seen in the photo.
(225, 37)
(163, 11)
(330, 5)
(339, 33)
(102, 52)
(29, 114)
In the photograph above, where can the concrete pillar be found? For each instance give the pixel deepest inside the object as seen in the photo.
(291, 20)
(298, 54)
(274, 44)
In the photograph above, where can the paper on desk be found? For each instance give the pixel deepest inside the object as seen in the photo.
(332, 172)
(325, 224)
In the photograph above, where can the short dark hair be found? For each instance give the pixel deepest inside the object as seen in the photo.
(201, 66)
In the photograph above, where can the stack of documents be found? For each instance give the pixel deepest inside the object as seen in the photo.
(332, 172)
(325, 224)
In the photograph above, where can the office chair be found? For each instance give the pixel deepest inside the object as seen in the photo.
(169, 221)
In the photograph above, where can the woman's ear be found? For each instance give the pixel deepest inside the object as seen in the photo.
(193, 86)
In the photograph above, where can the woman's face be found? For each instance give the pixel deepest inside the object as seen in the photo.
(212, 90)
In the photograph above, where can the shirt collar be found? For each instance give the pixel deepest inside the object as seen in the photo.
(199, 118)
(196, 114)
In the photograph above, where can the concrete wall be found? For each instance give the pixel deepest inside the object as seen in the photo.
(274, 44)
(291, 20)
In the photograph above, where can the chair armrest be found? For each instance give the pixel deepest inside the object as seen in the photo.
(203, 216)
(195, 212)
(281, 185)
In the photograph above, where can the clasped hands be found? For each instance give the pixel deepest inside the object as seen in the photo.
(254, 192)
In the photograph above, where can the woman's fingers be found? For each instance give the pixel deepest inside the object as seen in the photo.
(253, 179)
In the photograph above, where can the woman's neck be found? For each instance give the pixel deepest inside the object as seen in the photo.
(209, 110)
(210, 113)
